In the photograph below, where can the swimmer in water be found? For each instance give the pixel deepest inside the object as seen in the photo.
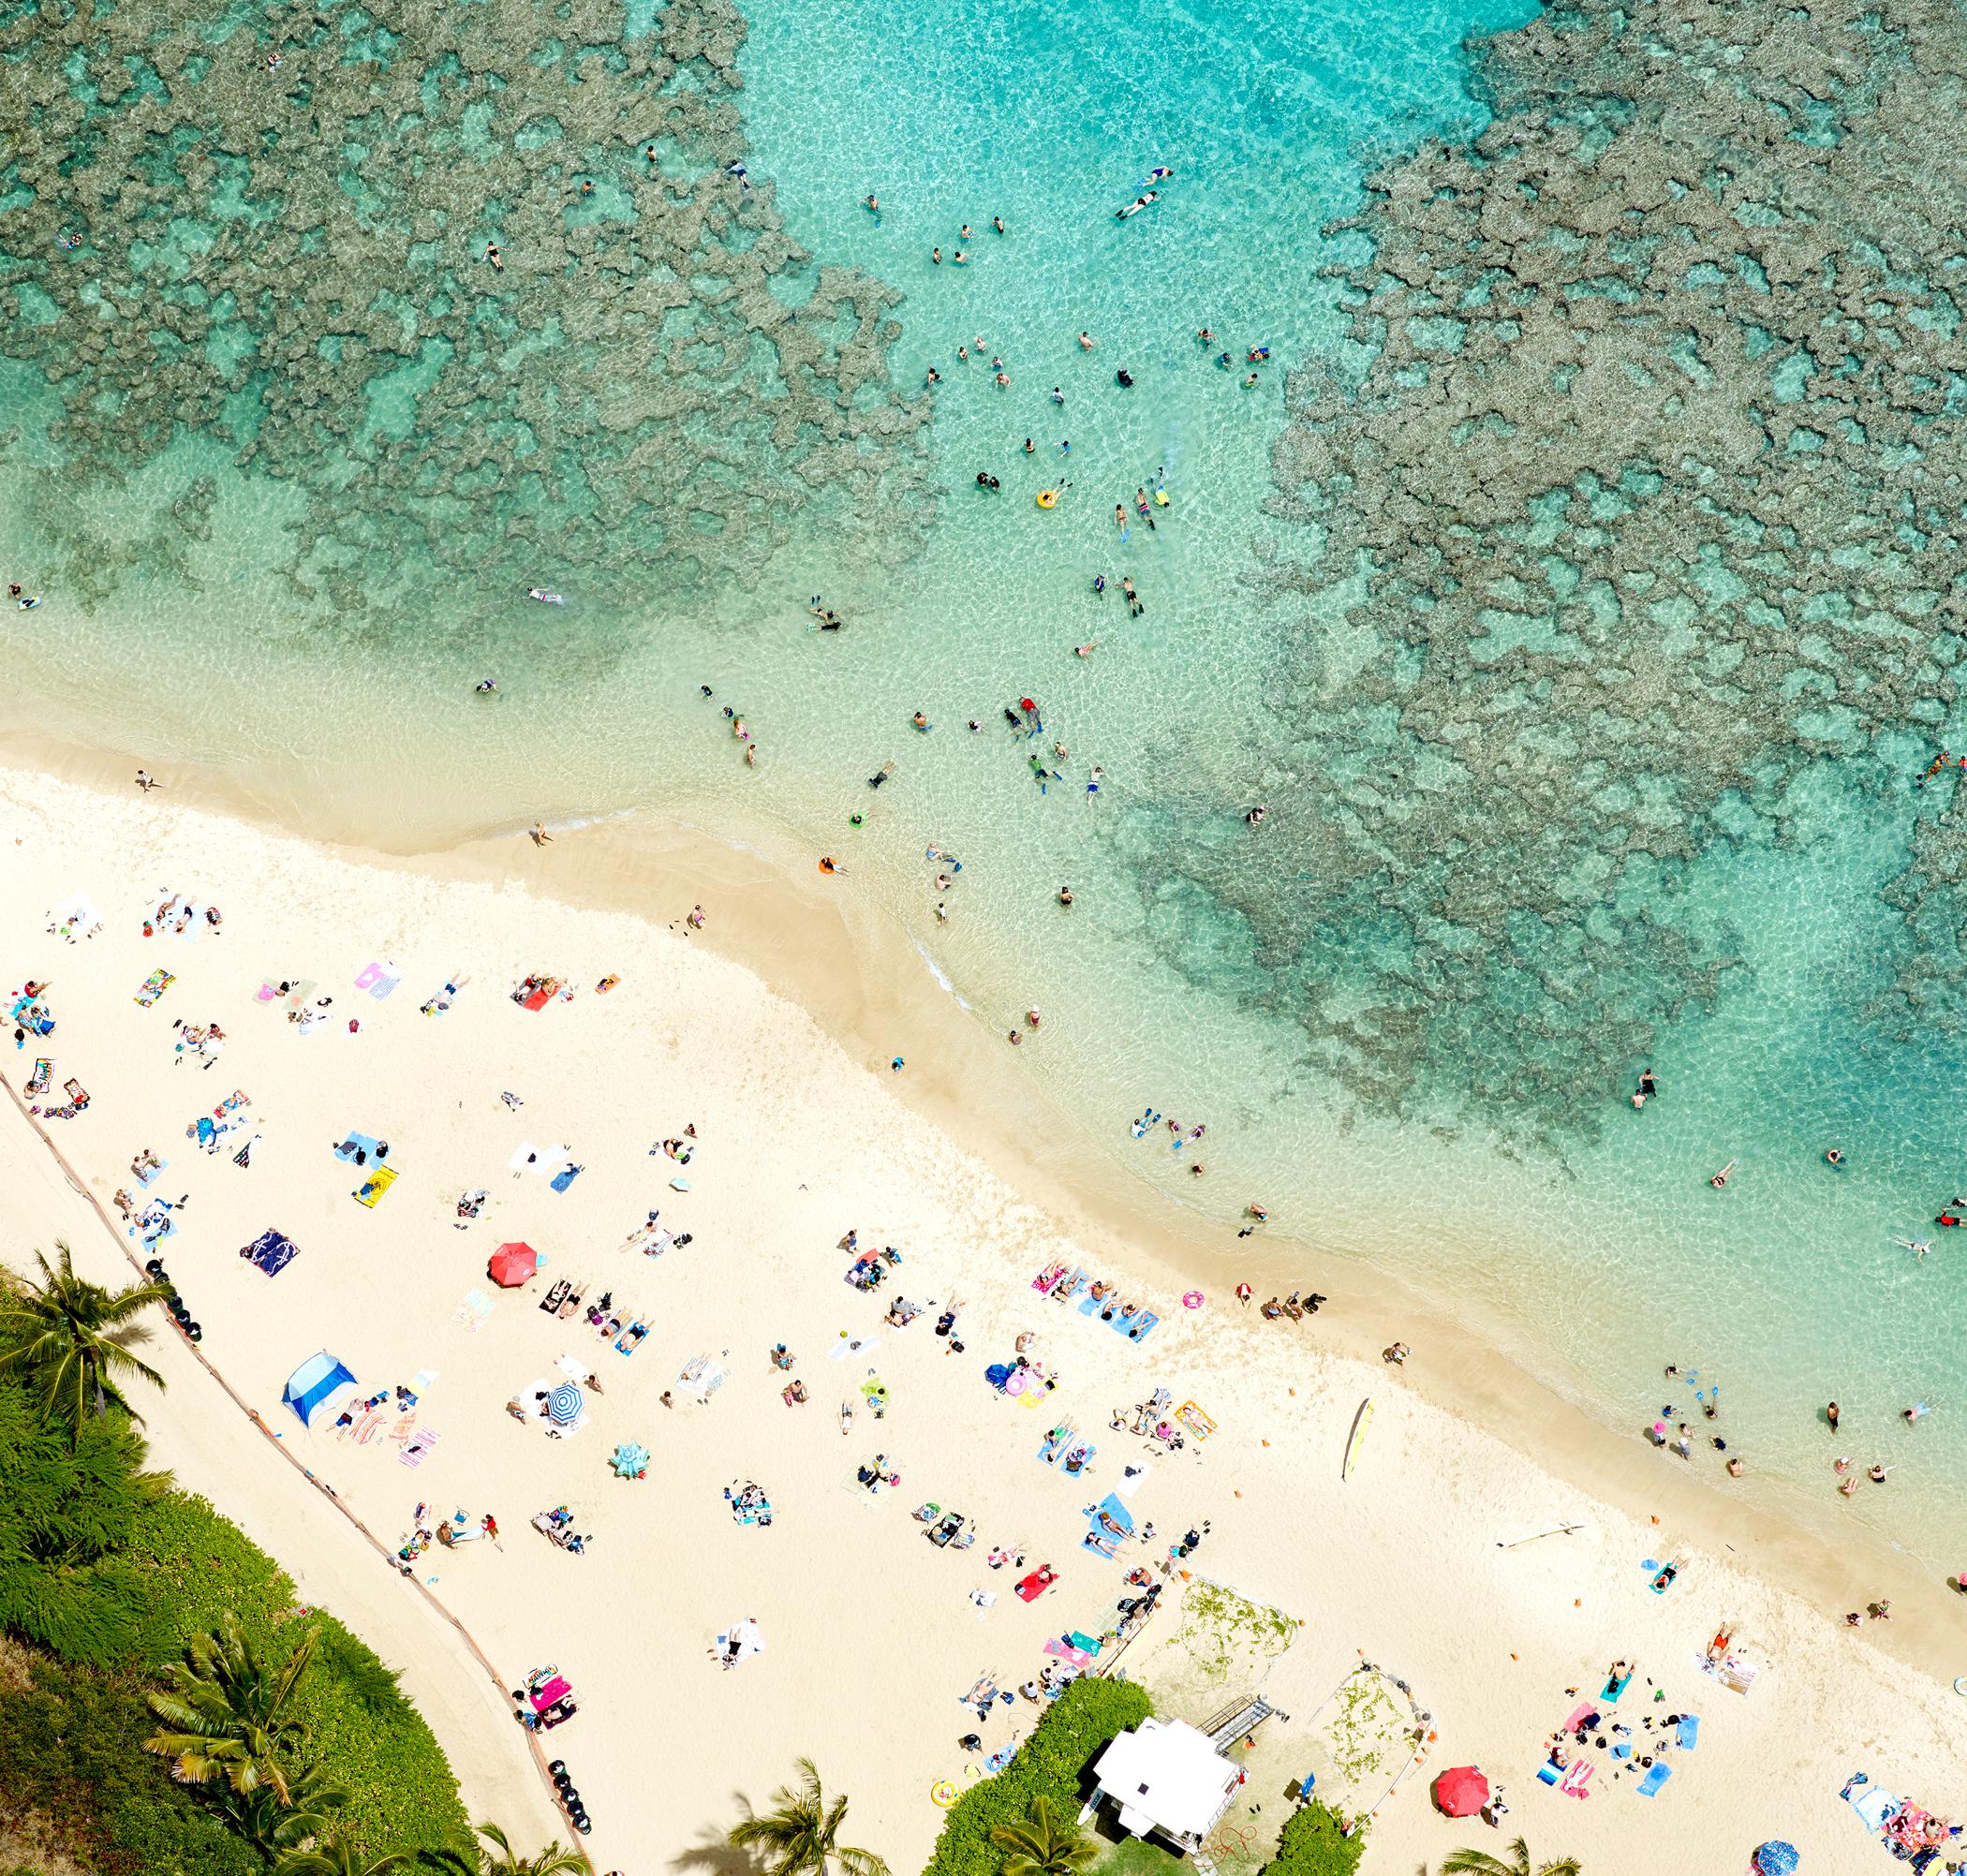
(1030, 448)
(997, 222)
(1204, 336)
(1255, 817)
(1065, 895)
(1100, 585)
(485, 686)
(986, 480)
(1058, 395)
(1159, 175)
(873, 205)
(1087, 649)
(1085, 342)
(1833, 1155)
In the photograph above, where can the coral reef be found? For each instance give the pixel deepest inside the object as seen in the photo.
(1644, 471)
(483, 283)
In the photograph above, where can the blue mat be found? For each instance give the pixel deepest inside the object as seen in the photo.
(1690, 1731)
(353, 1143)
(1651, 1784)
(560, 1181)
(1144, 1325)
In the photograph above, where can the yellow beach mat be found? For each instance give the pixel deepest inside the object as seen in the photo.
(1195, 1420)
(374, 1186)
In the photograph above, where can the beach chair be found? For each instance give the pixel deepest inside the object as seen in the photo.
(1649, 1785)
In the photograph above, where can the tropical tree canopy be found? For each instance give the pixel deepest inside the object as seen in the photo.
(338, 1859)
(496, 1857)
(801, 1835)
(1044, 1843)
(228, 1715)
(67, 1508)
(67, 1336)
(1480, 1863)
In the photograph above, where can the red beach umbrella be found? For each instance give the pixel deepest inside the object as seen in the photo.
(513, 1264)
(1461, 1791)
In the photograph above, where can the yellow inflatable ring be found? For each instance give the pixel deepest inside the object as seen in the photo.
(1048, 498)
(943, 1793)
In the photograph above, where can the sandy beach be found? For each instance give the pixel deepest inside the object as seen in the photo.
(764, 1043)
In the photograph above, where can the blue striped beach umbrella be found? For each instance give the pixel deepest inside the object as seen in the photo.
(563, 1406)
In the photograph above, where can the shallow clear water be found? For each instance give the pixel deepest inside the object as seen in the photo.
(1582, 1235)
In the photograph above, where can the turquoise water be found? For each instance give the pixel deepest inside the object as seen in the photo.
(622, 416)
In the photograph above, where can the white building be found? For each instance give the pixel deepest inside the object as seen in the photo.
(1167, 1780)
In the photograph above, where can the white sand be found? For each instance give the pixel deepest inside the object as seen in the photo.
(871, 1638)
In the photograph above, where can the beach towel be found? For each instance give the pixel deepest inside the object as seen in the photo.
(1090, 1305)
(565, 1177)
(153, 1174)
(1055, 1444)
(1579, 1714)
(1689, 1731)
(416, 1448)
(525, 1158)
(271, 1251)
(1649, 1785)
(77, 912)
(43, 1073)
(1875, 1806)
(372, 1188)
(378, 980)
(1131, 1478)
(1111, 1507)
(1547, 1773)
(853, 1345)
(154, 985)
(1144, 1325)
(1613, 1689)
(1124, 1321)
(549, 1162)
(357, 1149)
(631, 1339)
(1079, 1458)
(244, 1155)
(1046, 1278)
(472, 1312)
(1088, 1645)
(1579, 1775)
(1061, 1649)
(1070, 1286)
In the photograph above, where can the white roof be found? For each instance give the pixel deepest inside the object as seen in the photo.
(1166, 1777)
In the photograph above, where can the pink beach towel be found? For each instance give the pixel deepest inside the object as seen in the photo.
(413, 1454)
(1578, 1713)
(1064, 1651)
(1575, 1779)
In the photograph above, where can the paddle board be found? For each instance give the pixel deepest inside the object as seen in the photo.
(1361, 1420)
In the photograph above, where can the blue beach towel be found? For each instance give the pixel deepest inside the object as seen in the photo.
(354, 1143)
(1124, 1321)
(1547, 1773)
(1690, 1731)
(1144, 1325)
(1091, 1306)
(1649, 1785)
(561, 1180)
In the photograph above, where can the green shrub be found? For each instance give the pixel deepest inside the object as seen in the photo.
(72, 1751)
(1049, 1765)
(1314, 1844)
(363, 1735)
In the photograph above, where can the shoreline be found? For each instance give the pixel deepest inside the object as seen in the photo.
(865, 984)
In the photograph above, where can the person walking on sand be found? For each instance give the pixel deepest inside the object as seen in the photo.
(540, 837)
(144, 780)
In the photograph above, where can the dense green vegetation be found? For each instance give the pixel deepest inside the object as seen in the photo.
(170, 1708)
(1048, 1765)
(1314, 1843)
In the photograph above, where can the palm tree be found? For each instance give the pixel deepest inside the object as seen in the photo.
(66, 1335)
(501, 1860)
(229, 1716)
(1043, 1845)
(801, 1837)
(1480, 1863)
(339, 1859)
